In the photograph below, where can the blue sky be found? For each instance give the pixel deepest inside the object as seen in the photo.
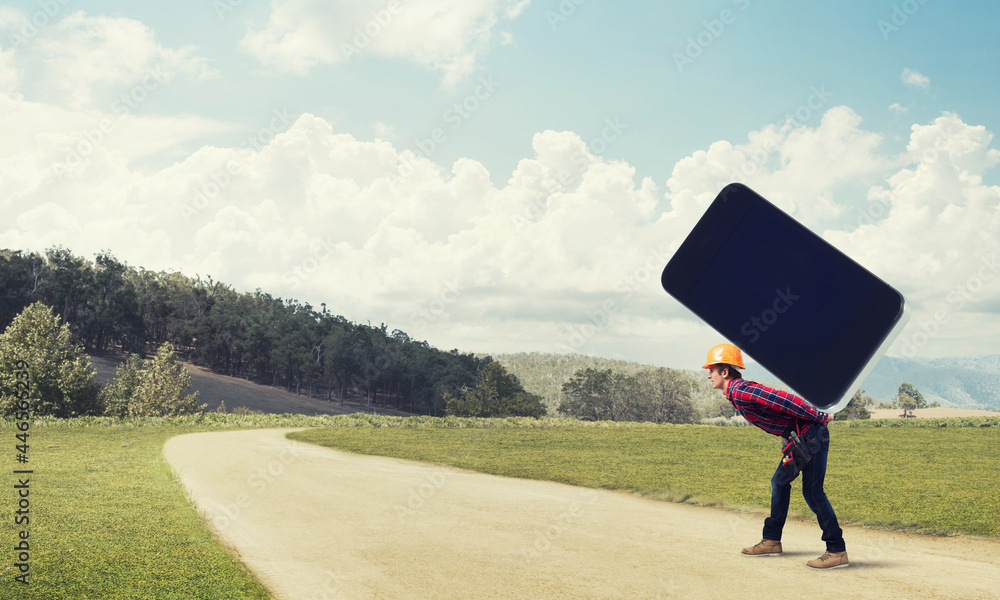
(571, 70)
(559, 151)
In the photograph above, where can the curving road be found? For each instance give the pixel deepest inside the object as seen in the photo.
(315, 524)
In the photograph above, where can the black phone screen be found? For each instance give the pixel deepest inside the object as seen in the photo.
(795, 304)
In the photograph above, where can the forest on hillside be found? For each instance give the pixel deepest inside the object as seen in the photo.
(545, 374)
(110, 307)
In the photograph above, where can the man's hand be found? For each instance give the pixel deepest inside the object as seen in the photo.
(827, 417)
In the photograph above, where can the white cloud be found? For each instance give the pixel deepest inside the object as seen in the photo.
(83, 57)
(16, 23)
(949, 142)
(8, 72)
(444, 35)
(796, 167)
(384, 131)
(563, 255)
(318, 215)
(897, 108)
(916, 79)
(63, 142)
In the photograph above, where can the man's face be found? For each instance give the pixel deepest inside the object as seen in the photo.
(715, 376)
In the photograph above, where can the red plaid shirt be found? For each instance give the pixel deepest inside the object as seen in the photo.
(772, 410)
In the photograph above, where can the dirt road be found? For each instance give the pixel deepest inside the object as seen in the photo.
(320, 524)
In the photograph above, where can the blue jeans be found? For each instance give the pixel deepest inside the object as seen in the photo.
(818, 439)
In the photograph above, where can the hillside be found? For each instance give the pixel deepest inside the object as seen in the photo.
(213, 389)
(111, 307)
(544, 374)
(956, 382)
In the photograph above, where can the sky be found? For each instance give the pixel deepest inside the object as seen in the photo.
(507, 175)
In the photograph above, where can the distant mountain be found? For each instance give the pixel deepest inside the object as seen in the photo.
(955, 382)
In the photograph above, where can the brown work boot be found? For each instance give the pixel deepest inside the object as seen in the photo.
(829, 560)
(764, 548)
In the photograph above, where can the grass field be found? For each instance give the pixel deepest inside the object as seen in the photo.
(918, 479)
(109, 520)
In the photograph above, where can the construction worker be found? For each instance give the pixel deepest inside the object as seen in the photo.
(779, 413)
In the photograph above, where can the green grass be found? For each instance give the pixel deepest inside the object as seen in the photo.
(924, 423)
(108, 518)
(924, 480)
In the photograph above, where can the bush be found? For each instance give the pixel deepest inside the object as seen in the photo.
(856, 408)
(118, 394)
(151, 390)
(497, 394)
(61, 378)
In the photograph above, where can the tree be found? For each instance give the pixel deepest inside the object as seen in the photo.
(907, 402)
(62, 380)
(586, 395)
(911, 390)
(664, 397)
(497, 394)
(908, 399)
(119, 393)
(112, 309)
(337, 359)
(69, 284)
(856, 408)
(659, 395)
(21, 278)
(161, 388)
(524, 404)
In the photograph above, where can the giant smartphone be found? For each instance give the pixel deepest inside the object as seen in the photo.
(805, 311)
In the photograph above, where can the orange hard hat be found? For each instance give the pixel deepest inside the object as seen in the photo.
(727, 354)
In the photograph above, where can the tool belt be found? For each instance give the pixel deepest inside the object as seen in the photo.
(795, 455)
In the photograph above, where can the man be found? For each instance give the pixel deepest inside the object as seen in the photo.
(778, 413)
